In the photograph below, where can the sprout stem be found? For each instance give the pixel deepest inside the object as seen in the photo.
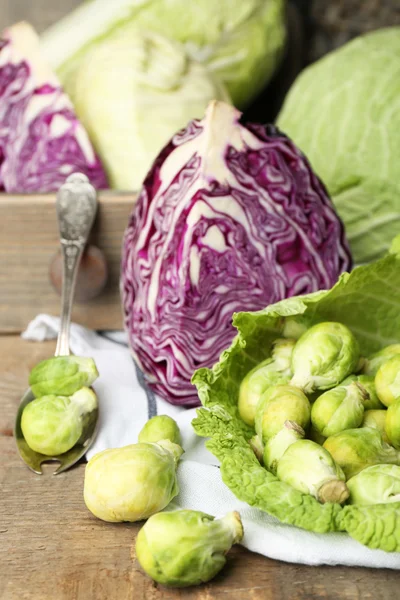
(294, 427)
(333, 491)
(234, 522)
(364, 393)
(175, 449)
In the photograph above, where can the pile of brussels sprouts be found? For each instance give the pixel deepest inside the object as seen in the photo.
(326, 420)
(319, 387)
(132, 483)
(56, 420)
(177, 548)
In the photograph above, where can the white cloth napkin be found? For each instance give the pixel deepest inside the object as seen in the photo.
(126, 404)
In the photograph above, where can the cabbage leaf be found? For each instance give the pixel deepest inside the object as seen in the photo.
(132, 94)
(368, 301)
(344, 113)
(240, 41)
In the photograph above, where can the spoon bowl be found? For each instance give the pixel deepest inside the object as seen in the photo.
(76, 209)
(34, 459)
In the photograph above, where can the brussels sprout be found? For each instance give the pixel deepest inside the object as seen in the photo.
(62, 375)
(324, 356)
(295, 326)
(387, 380)
(53, 424)
(133, 482)
(282, 350)
(338, 409)
(276, 446)
(279, 404)
(186, 547)
(376, 419)
(368, 383)
(379, 484)
(161, 427)
(85, 400)
(254, 384)
(392, 424)
(373, 363)
(357, 449)
(309, 468)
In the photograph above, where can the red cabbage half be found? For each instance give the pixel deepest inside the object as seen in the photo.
(41, 139)
(231, 217)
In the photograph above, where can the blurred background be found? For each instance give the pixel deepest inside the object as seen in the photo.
(329, 23)
(316, 27)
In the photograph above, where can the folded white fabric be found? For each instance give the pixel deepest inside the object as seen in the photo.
(126, 404)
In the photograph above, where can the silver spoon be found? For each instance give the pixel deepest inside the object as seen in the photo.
(76, 209)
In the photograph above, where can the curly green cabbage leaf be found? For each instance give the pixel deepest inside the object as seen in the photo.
(344, 113)
(368, 301)
(240, 41)
(132, 93)
(41, 139)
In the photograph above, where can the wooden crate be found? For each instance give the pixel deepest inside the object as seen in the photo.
(28, 242)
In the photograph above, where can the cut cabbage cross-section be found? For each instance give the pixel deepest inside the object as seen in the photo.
(41, 139)
(230, 217)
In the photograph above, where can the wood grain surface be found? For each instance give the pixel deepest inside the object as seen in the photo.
(28, 241)
(52, 548)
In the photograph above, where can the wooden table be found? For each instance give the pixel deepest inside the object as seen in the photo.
(51, 548)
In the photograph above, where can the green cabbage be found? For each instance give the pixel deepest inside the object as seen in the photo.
(240, 41)
(368, 301)
(344, 113)
(132, 93)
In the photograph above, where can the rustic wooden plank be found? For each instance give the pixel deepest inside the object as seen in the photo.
(29, 240)
(52, 548)
(40, 13)
(17, 358)
(28, 231)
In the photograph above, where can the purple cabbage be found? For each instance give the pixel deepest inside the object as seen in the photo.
(231, 217)
(41, 139)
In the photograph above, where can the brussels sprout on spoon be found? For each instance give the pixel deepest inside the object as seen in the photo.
(62, 375)
(53, 424)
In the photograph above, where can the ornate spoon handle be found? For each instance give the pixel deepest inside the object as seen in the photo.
(76, 209)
